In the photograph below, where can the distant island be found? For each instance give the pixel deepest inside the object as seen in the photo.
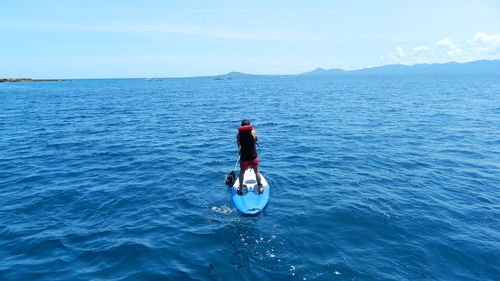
(473, 67)
(235, 74)
(450, 68)
(27, 80)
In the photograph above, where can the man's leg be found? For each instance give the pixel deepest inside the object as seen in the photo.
(258, 177)
(242, 172)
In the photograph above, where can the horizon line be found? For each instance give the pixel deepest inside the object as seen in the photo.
(253, 74)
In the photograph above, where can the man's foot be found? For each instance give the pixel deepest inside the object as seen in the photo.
(240, 190)
(261, 189)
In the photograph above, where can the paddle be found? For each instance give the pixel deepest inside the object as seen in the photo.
(232, 176)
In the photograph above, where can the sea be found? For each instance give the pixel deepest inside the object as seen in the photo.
(377, 177)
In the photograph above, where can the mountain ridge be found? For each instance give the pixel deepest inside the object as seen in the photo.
(472, 67)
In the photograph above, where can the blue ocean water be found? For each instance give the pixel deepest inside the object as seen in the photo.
(373, 178)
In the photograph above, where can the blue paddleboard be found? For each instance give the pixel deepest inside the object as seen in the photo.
(251, 202)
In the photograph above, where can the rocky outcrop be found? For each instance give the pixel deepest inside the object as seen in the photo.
(27, 80)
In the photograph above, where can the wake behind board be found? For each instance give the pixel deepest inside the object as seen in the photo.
(251, 202)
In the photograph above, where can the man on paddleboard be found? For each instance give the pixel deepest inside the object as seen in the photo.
(247, 139)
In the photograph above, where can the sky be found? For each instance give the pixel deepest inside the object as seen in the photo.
(153, 38)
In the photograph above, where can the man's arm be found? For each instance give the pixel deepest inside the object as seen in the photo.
(254, 134)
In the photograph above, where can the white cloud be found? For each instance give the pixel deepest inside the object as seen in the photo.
(400, 52)
(453, 49)
(481, 46)
(484, 44)
(397, 55)
(420, 49)
(446, 42)
(481, 37)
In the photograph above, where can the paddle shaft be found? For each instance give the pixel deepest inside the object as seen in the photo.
(237, 159)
